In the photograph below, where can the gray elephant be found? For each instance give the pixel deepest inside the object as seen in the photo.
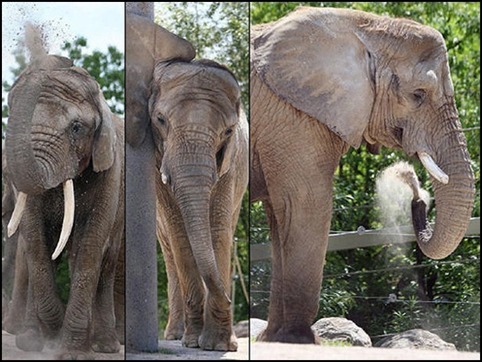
(65, 156)
(323, 80)
(201, 138)
(14, 272)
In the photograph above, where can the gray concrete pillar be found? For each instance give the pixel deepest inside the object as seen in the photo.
(141, 251)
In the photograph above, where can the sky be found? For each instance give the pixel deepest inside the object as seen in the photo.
(102, 24)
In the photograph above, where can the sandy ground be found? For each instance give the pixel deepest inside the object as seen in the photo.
(11, 352)
(173, 350)
(284, 351)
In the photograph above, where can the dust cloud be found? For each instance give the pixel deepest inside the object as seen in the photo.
(34, 42)
(18, 19)
(396, 186)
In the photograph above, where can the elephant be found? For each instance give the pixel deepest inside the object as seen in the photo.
(9, 246)
(65, 148)
(146, 43)
(324, 80)
(201, 137)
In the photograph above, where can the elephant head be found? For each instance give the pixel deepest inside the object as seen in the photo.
(197, 120)
(380, 81)
(59, 123)
(146, 42)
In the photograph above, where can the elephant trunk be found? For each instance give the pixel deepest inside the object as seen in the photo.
(453, 183)
(26, 172)
(33, 168)
(192, 180)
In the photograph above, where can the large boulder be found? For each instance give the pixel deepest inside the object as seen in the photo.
(415, 338)
(241, 329)
(341, 329)
(256, 326)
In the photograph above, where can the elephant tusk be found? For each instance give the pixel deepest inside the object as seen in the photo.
(432, 168)
(164, 178)
(67, 223)
(17, 214)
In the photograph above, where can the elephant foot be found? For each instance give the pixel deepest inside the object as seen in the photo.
(105, 342)
(75, 355)
(14, 319)
(11, 326)
(106, 346)
(215, 340)
(190, 340)
(30, 341)
(191, 335)
(174, 331)
(120, 332)
(298, 334)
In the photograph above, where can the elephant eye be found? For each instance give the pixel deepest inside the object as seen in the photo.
(161, 120)
(419, 96)
(76, 127)
(228, 132)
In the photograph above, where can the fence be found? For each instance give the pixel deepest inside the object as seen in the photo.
(363, 238)
(366, 238)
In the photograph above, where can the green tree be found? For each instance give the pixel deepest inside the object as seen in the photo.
(442, 296)
(217, 30)
(106, 68)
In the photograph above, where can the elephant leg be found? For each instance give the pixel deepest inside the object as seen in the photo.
(276, 311)
(175, 323)
(45, 311)
(14, 319)
(183, 269)
(104, 338)
(299, 180)
(218, 333)
(119, 295)
(192, 289)
(91, 296)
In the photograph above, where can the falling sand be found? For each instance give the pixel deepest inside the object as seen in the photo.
(396, 187)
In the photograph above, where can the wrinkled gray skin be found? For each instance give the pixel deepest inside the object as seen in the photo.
(323, 80)
(201, 138)
(10, 246)
(60, 128)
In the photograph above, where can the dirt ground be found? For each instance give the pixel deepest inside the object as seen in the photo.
(173, 350)
(11, 352)
(284, 351)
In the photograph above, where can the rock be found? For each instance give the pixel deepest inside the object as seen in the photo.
(341, 329)
(241, 329)
(415, 338)
(256, 326)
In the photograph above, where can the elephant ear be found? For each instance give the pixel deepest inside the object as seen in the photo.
(229, 149)
(314, 60)
(146, 43)
(103, 151)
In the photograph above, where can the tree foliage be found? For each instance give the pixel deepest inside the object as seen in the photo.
(441, 296)
(218, 31)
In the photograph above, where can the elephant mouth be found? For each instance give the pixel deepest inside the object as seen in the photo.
(398, 135)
